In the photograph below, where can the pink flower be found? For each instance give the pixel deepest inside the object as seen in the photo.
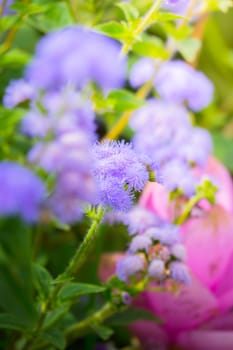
(199, 317)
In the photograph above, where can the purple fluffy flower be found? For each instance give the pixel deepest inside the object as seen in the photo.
(119, 172)
(198, 148)
(140, 242)
(141, 72)
(179, 252)
(179, 272)
(139, 219)
(77, 56)
(161, 129)
(166, 234)
(178, 175)
(178, 82)
(175, 5)
(18, 91)
(128, 266)
(156, 269)
(22, 192)
(65, 126)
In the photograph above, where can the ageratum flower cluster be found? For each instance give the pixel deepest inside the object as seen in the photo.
(163, 127)
(155, 250)
(22, 192)
(62, 120)
(119, 172)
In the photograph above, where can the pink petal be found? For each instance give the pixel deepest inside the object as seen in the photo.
(156, 198)
(208, 241)
(150, 335)
(193, 305)
(220, 322)
(206, 340)
(218, 172)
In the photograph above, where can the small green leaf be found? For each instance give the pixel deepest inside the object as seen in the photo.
(9, 119)
(168, 16)
(43, 280)
(74, 290)
(55, 16)
(102, 331)
(151, 47)
(131, 315)
(189, 48)
(129, 11)
(55, 337)
(15, 57)
(114, 30)
(8, 321)
(54, 316)
(123, 100)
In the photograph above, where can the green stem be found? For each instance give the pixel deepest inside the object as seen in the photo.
(83, 251)
(146, 21)
(188, 208)
(84, 327)
(75, 264)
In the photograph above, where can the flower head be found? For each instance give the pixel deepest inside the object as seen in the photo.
(178, 82)
(76, 56)
(129, 265)
(22, 192)
(18, 91)
(119, 172)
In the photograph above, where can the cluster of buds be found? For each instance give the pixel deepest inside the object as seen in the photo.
(154, 254)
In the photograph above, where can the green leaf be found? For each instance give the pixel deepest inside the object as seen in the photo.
(9, 119)
(43, 280)
(223, 149)
(115, 30)
(54, 316)
(151, 47)
(189, 48)
(123, 100)
(16, 282)
(102, 331)
(28, 8)
(6, 22)
(8, 321)
(56, 16)
(130, 315)
(168, 16)
(15, 57)
(74, 290)
(55, 337)
(129, 11)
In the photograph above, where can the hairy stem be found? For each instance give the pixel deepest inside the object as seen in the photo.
(146, 21)
(74, 265)
(84, 327)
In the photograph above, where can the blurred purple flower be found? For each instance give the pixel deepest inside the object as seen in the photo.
(22, 192)
(18, 91)
(178, 82)
(129, 265)
(77, 56)
(175, 5)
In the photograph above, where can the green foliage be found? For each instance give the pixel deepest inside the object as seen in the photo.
(35, 305)
(102, 331)
(16, 282)
(75, 290)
